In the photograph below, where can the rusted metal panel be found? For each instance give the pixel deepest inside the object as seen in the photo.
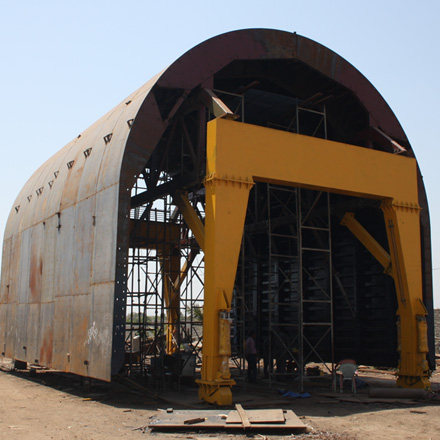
(81, 330)
(48, 285)
(21, 327)
(3, 327)
(100, 335)
(4, 286)
(10, 343)
(84, 238)
(62, 329)
(105, 235)
(36, 263)
(46, 334)
(65, 258)
(32, 342)
(22, 280)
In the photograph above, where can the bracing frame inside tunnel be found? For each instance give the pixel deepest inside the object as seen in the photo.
(165, 294)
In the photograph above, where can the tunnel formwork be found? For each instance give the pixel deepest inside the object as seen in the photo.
(103, 268)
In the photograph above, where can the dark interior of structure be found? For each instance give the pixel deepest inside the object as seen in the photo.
(304, 283)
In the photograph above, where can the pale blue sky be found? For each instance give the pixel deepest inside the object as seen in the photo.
(65, 64)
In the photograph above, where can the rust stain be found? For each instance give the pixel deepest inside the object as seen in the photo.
(80, 348)
(36, 272)
(46, 349)
(84, 327)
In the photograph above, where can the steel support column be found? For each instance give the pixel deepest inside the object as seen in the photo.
(403, 264)
(225, 212)
(170, 270)
(403, 230)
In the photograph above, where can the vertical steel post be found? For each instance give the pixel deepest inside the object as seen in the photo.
(226, 205)
(403, 229)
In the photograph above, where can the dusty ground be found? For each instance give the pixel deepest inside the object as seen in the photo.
(58, 406)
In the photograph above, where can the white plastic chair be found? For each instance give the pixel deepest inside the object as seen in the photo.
(346, 372)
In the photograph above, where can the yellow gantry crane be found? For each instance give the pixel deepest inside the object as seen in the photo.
(240, 154)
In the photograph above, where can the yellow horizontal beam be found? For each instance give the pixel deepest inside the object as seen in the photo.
(292, 159)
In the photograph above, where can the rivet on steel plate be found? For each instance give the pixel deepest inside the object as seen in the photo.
(78, 136)
(39, 191)
(56, 174)
(108, 138)
(87, 152)
(29, 198)
(128, 102)
(50, 183)
(70, 164)
(17, 208)
(130, 122)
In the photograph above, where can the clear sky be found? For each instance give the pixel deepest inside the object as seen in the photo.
(65, 64)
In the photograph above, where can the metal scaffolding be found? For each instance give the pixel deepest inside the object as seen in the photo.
(165, 294)
(284, 288)
(316, 300)
(283, 284)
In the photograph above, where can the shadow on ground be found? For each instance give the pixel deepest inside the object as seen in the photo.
(129, 394)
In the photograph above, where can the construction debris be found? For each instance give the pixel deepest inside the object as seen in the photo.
(194, 421)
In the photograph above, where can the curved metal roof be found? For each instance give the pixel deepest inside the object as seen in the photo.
(66, 240)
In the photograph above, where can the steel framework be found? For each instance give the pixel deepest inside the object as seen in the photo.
(110, 248)
(235, 159)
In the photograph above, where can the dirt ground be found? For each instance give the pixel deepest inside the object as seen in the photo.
(50, 405)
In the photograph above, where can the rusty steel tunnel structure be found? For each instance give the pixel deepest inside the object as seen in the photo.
(103, 267)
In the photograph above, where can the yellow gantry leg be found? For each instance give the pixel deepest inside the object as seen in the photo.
(225, 212)
(403, 230)
(404, 265)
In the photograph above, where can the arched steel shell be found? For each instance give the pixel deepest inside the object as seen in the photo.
(64, 268)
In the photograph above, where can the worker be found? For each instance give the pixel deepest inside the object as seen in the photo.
(250, 351)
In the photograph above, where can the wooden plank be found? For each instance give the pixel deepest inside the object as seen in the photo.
(258, 416)
(193, 421)
(244, 418)
(366, 399)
